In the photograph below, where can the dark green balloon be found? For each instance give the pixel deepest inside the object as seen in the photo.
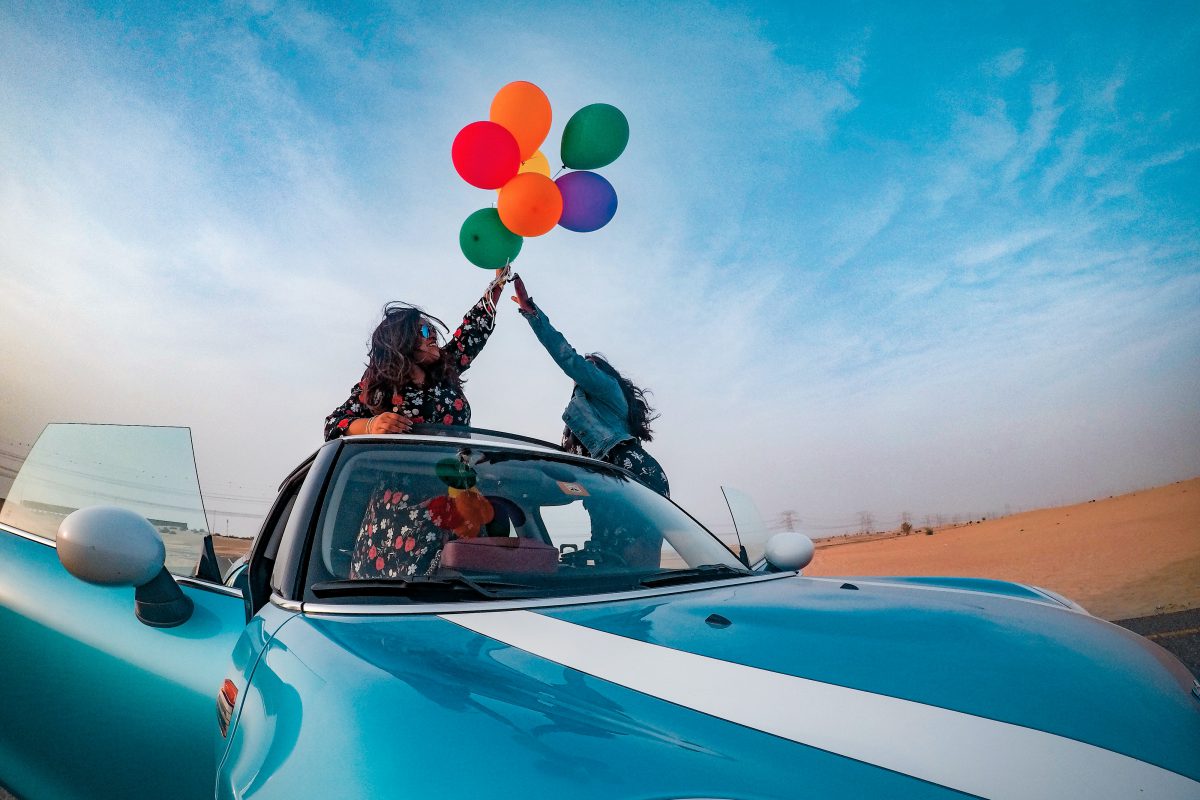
(454, 473)
(594, 137)
(486, 242)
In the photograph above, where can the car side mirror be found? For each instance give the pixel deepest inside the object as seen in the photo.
(789, 550)
(111, 546)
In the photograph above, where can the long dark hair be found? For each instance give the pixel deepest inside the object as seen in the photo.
(641, 413)
(390, 361)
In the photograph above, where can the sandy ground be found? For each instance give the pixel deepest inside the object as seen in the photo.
(231, 547)
(1129, 556)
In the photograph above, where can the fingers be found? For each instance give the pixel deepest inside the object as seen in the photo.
(391, 423)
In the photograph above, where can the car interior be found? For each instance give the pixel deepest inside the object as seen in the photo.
(515, 537)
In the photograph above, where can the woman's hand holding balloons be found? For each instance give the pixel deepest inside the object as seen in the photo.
(497, 286)
(522, 298)
(388, 423)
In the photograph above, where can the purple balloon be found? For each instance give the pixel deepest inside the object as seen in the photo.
(589, 201)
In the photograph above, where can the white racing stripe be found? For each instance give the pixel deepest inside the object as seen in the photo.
(961, 751)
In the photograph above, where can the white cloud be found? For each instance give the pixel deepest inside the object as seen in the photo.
(1040, 127)
(1005, 247)
(1007, 63)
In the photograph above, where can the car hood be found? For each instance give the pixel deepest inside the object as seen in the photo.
(996, 650)
(770, 688)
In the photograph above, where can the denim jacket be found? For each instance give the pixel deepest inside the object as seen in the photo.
(597, 414)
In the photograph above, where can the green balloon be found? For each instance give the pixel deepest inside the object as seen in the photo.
(454, 473)
(486, 242)
(594, 137)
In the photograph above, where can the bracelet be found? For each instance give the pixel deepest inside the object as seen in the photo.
(367, 429)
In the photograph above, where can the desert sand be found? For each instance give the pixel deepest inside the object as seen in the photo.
(1128, 556)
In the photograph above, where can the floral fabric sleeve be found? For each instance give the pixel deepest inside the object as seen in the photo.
(472, 334)
(339, 421)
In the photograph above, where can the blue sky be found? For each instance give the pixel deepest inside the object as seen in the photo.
(941, 258)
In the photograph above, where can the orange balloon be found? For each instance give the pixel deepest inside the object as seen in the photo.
(475, 510)
(530, 204)
(535, 163)
(524, 110)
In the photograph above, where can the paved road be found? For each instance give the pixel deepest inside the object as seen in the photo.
(1178, 632)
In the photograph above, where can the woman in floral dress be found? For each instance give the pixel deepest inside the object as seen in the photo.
(410, 379)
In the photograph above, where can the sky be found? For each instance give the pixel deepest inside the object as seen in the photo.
(871, 258)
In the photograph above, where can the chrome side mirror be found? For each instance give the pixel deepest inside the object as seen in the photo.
(111, 546)
(789, 551)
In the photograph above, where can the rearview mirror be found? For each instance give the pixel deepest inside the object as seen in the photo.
(112, 546)
(789, 550)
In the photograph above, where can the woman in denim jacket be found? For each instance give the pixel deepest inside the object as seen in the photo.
(607, 417)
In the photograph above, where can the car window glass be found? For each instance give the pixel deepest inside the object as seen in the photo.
(149, 470)
(572, 525)
(433, 511)
(748, 523)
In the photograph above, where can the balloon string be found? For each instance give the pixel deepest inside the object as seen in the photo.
(560, 169)
(500, 280)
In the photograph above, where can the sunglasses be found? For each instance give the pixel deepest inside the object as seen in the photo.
(427, 331)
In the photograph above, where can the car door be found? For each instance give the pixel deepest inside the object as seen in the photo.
(96, 703)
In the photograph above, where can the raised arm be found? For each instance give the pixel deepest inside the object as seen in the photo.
(476, 327)
(587, 375)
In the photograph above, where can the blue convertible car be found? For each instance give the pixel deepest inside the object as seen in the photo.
(464, 615)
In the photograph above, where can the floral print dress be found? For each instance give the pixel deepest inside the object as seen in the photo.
(629, 455)
(439, 403)
(399, 535)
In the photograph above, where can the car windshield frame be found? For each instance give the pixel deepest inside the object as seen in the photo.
(316, 569)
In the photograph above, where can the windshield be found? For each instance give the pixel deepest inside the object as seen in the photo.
(429, 521)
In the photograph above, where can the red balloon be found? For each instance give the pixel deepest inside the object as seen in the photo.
(486, 155)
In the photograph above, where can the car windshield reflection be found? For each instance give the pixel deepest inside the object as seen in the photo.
(443, 522)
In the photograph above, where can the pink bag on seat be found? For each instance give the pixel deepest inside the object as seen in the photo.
(500, 554)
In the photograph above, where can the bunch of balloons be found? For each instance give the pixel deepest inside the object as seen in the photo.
(502, 153)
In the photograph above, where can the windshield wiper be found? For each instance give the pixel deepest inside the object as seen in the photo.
(450, 587)
(703, 572)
